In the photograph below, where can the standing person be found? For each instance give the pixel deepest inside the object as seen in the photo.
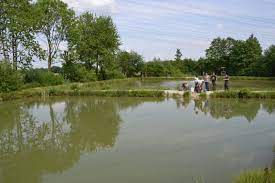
(213, 79)
(206, 81)
(226, 82)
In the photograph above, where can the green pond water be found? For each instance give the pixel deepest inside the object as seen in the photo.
(137, 140)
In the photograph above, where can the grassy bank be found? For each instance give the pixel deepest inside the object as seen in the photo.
(185, 78)
(110, 88)
(244, 93)
(121, 87)
(55, 91)
(220, 78)
(256, 176)
(251, 78)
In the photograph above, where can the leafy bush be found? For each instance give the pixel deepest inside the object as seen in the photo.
(78, 73)
(187, 94)
(74, 87)
(42, 77)
(203, 95)
(244, 93)
(81, 74)
(114, 74)
(10, 80)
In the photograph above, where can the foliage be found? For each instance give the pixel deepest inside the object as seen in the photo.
(218, 54)
(113, 74)
(131, 63)
(95, 40)
(54, 19)
(243, 93)
(17, 32)
(255, 176)
(58, 91)
(268, 62)
(10, 80)
(187, 94)
(178, 55)
(237, 56)
(42, 77)
(78, 73)
(56, 69)
(161, 69)
(203, 95)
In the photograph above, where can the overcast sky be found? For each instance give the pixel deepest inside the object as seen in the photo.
(155, 28)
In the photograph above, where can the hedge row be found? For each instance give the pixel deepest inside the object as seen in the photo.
(39, 92)
(244, 93)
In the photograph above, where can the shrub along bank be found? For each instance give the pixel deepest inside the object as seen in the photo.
(55, 91)
(256, 176)
(117, 88)
(244, 93)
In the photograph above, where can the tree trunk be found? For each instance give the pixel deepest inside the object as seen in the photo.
(49, 62)
(14, 52)
(97, 65)
(5, 52)
(49, 55)
(4, 48)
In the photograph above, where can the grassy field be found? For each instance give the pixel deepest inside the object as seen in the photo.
(148, 87)
(244, 93)
(256, 176)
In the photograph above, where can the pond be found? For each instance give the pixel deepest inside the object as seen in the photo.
(122, 140)
(255, 85)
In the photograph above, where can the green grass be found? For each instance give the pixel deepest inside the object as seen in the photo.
(203, 95)
(122, 87)
(187, 94)
(248, 78)
(168, 78)
(220, 78)
(55, 91)
(256, 176)
(244, 93)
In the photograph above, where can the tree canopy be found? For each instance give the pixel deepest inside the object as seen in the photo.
(87, 48)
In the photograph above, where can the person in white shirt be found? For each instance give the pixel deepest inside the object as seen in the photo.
(206, 81)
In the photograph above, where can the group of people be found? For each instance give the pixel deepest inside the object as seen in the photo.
(204, 85)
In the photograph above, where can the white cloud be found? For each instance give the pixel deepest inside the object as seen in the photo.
(86, 5)
(220, 26)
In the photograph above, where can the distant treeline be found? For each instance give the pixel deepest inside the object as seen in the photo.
(86, 47)
(238, 57)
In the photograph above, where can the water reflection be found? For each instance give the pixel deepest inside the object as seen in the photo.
(228, 108)
(40, 137)
(32, 146)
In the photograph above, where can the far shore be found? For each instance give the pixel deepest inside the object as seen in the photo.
(105, 88)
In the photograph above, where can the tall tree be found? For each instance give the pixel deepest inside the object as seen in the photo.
(269, 61)
(3, 29)
(178, 55)
(81, 40)
(219, 53)
(96, 41)
(17, 32)
(131, 63)
(253, 52)
(54, 18)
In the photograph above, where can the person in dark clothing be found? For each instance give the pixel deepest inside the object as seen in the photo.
(213, 80)
(226, 82)
(197, 87)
